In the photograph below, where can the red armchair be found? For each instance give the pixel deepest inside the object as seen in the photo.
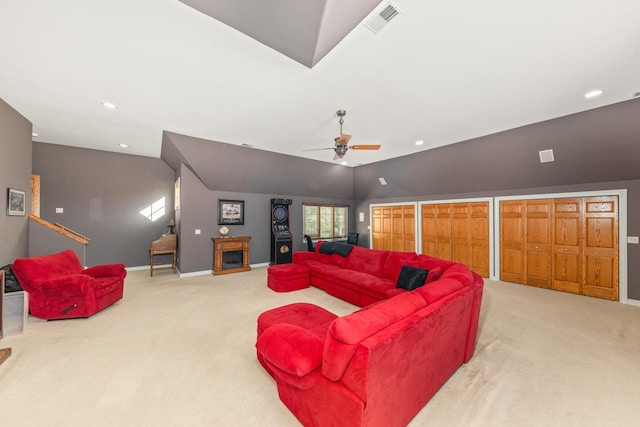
(59, 288)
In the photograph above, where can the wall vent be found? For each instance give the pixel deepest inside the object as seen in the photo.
(382, 18)
(636, 95)
(546, 156)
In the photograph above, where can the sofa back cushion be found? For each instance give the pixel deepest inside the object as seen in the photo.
(330, 256)
(394, 264)
(429, 262)
(32, 272)
(434, 291)
(345, 333)
(370, 261)
(459, 272)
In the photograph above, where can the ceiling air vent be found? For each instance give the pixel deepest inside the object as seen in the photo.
(636, 95)
(546, 156)
(382, 18)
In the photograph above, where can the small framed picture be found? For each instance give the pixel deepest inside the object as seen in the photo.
(16, 202)
(231, 212)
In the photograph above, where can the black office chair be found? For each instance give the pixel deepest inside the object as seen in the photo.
(352, 238)
(310, 247)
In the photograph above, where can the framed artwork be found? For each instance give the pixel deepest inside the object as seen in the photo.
(16, 202)
(231, 212)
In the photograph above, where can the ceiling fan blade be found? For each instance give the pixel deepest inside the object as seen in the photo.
(317, 149)
(336, 157)
(343, 139)
(365, 147)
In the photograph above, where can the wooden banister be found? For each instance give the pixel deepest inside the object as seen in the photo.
(61, 229)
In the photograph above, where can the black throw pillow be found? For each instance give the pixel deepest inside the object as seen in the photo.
(411, 277)
(335, 248)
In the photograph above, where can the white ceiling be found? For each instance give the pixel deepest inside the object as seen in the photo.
(441, 72)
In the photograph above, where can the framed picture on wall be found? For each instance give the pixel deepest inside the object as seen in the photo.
(16, 202)
(231, 212)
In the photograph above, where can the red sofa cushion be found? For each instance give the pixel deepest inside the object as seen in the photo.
(438, 289)
(370, 261)
(292, 353)
(459, 272)
(332, 259)
(32, 272)
(345, 333)
(429, 262)
(434, 274)
(394, 264)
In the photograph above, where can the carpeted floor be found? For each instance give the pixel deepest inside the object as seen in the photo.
(180, 352)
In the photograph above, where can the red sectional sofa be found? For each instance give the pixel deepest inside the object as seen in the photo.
(365, 276)
(381, 364)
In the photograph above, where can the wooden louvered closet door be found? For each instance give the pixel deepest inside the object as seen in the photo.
(394, 227)
(381, 219)
(537, 237)
(457, 232)
(512, 241)
(601, 248)
(567, 244)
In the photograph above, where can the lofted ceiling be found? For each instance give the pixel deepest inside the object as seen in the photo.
(272, 74)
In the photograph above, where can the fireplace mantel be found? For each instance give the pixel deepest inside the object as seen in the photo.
(224, 246)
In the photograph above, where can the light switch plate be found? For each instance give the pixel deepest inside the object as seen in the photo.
(197, 231)
(59, 210)
(632, 239)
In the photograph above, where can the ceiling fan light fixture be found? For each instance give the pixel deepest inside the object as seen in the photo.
(341, 150)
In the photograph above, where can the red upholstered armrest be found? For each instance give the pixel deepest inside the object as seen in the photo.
(292, 352)
(107, 270)
(74, 284)
(299, 257)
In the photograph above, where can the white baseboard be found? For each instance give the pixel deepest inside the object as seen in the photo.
(141, 267)
(193, 273)
(633, 302)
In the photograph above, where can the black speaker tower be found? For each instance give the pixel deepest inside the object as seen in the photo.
(281, 239)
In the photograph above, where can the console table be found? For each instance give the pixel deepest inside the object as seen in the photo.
(230, 254)
(165, 245)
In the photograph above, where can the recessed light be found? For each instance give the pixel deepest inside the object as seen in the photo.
(593, 93)
(34, 134)
(419, 142)
(123, 145)
(343, 163)
(109, 105)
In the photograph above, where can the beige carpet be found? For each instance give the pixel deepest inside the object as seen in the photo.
(180, 352)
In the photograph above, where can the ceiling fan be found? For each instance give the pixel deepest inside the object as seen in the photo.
(341, 147)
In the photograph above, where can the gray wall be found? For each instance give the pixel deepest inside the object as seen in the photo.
(199, 210)
(228, 167)
(102, 194)
(594, 146)
(15, 172)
